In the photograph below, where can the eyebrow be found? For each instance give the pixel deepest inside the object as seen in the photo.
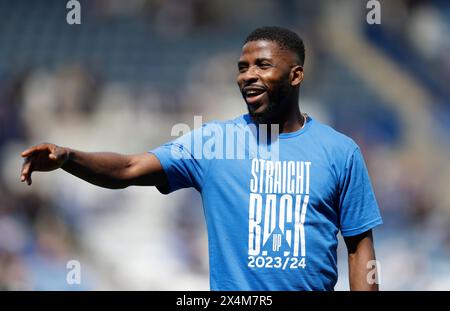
(262, 59)
(258, 60)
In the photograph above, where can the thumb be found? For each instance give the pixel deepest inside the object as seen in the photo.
(58, 154)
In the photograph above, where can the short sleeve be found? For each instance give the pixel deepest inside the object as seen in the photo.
(358, 207)
(182, 163)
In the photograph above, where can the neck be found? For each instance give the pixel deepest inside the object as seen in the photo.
(292, 121)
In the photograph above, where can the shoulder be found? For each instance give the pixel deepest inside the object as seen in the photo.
(337, 148)
(332, 139)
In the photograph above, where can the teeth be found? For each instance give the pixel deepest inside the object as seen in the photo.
(254, 92)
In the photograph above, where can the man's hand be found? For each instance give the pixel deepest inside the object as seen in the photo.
(44, 157)
(104, 169)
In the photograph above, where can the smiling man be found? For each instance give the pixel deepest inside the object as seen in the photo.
(272, 222)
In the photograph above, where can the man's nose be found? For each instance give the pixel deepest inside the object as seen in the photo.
(250, 75)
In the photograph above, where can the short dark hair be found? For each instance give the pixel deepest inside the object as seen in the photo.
(284, 37)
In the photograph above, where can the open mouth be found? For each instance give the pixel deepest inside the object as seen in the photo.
(253, 94)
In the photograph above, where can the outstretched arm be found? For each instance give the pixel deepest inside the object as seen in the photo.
(104, 169)
(360, 253)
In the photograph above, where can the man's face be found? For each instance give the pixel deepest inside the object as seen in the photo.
(265, 79)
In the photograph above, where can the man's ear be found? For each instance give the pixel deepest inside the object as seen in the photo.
(297, 75)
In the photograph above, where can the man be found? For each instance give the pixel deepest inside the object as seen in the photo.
(272, 222)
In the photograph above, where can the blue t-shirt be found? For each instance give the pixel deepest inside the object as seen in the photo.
(273, 223)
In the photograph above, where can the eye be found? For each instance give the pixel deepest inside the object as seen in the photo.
(265, 65)
(242, 68)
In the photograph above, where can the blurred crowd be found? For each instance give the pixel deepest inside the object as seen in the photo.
(133, 69)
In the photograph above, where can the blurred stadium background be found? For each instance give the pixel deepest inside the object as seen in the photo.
(132, 69)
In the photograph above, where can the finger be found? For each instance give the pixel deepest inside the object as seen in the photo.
(26, 168)
(30, 150)
(29, 181)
